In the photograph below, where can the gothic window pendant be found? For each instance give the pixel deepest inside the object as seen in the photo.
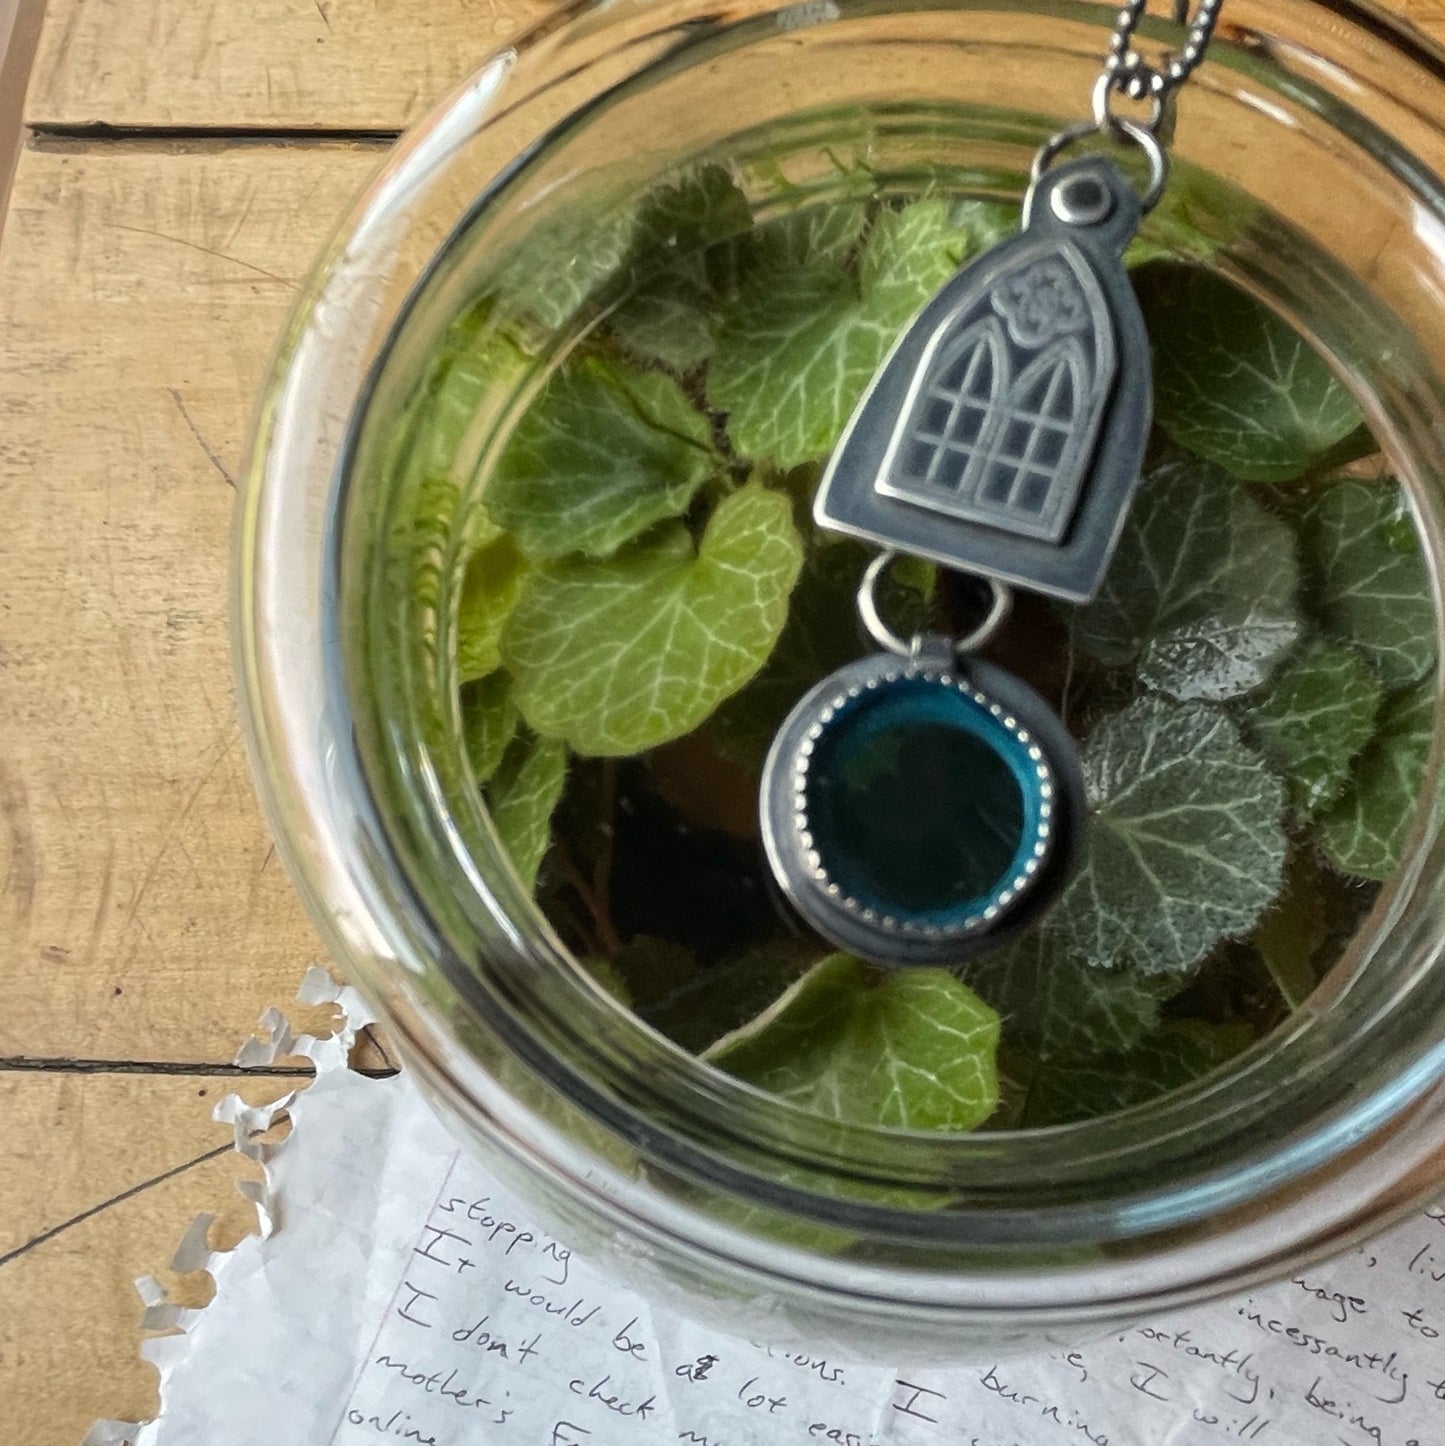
(922, 805)
(1005, 432)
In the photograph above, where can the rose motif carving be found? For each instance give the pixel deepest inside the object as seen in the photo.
(1041, 303)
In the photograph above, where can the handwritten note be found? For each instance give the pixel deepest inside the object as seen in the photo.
(494, 1322)
(406, 1298)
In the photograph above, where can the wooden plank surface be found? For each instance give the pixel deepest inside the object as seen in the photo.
(307, 64)
(141, 289)
(303, 64)
(139, 1152)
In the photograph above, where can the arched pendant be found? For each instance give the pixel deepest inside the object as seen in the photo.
(919, 810)
(1005, 432)
(925, 807)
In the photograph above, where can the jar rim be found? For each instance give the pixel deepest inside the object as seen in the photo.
(678, 1110)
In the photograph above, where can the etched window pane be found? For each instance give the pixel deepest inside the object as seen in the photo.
(1007, 401)
(1024, 472)
(948, 421)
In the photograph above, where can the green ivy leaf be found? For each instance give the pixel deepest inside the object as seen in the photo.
(686, 216)
(489, 721)
(714, 1001)
(1180, 1051)
(1199, 214)
(1364, 833)
(474, 360)
(1316, 715)
(432, 542)
(603, 454)
(821, 635)
(491, 586)
(1366, 577)
(1201, 592)
(1058, 1008)
(686, 232)
(1185, 846)
(621, 655)
(653, 968)
(915, 1051)
(471, 363)
(571, 261)
(521, 797)
(986, 223)
(1291, 932)
(1238, 385)
(611, 979)
(821, 232)
(425, 546)
(794, 355)
(668, 319)
(804, 338)
(908, 257)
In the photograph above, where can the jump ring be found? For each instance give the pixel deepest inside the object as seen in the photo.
(1105, 119)
(1120, 129)
(886, 638)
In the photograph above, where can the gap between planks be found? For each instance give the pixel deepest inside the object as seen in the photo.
(181, 140)
(25, 1064)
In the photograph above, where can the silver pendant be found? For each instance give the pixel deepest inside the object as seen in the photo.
(1005, 432)
(922, 806)
(921, 809)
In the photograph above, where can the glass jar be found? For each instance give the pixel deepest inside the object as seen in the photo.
(1330, 119)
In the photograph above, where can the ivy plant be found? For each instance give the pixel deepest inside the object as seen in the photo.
(604, 453)
(1185, 844)
(1366, 578)
(914, 1049)
(619, 655)
(1311, 724)
(638, 585)
(1364, 832)
(1201, 595)
(809, 330)
(1236, 384)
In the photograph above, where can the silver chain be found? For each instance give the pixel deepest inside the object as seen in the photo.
(1128, 73)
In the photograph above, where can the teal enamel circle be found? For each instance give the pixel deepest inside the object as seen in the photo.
(926, 805)
(923, 806)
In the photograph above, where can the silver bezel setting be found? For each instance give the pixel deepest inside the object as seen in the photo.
(792, 848)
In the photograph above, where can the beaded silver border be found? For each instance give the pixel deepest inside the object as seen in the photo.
(798, 863)
(1004, 897)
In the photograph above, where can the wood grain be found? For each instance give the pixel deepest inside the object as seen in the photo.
(143, 915)
(69, 1314)
(304, 64)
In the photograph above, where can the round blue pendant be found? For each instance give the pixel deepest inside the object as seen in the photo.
(921, 814)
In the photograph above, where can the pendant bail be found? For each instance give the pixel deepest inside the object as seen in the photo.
(1116, 127)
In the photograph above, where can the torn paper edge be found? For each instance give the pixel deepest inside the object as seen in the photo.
(276, 1040)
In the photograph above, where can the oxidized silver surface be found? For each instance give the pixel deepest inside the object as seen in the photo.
(1005, 432)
